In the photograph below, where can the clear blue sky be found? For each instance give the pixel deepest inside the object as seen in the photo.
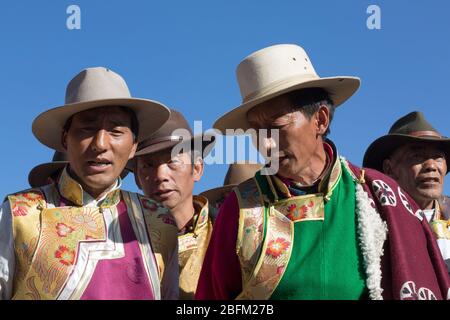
(184, 54)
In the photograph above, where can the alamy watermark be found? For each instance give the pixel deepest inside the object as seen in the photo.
(374, 20)
(265, 144)
(73, 21)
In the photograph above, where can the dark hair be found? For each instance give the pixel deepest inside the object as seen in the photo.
(308, 102)
(133, 119)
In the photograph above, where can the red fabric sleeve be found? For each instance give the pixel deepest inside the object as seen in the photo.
(220, 278)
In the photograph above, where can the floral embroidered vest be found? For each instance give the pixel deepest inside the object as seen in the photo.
(192, 249)
(266, 229)
(47, 238)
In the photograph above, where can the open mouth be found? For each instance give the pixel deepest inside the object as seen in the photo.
(97, 166)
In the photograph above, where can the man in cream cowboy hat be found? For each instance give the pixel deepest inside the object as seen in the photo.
(316, 229)
(416, 155)
(237, 173)
(82, 237)
(166, 166)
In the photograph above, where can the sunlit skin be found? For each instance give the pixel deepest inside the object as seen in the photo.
(98, 144)
(420, 169)
(301, 156)
(170, 181)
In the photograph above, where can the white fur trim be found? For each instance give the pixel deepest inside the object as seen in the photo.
(372, 232)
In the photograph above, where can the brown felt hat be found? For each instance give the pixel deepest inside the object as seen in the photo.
(410, 128)
(176, 130)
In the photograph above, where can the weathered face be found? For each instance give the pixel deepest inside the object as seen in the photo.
(99, 143)
(169, 181)
(419, 168)
(299, 137)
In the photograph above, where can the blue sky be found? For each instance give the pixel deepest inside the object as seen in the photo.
(184, 54)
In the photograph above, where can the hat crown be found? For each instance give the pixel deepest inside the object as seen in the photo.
(165, 133)
(239, 172)
(411, 123)
(96, 84)
(271, 66)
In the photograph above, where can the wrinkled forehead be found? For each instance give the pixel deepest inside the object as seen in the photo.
(115, 114)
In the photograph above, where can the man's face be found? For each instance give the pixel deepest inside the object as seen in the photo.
(299, 137)
(169, 181)
(99, 143)
(419, 168)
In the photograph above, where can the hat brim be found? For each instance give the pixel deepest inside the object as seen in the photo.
(383, 147)
(206, 141)
(48, 126)
(213, 195)
(39, 175)
(206, 144)
(340, 89)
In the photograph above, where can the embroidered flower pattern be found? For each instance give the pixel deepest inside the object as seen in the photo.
(63, 230)
(149, 204)
(277, 247)
(23, 203)
(301, 213)
(65, 255)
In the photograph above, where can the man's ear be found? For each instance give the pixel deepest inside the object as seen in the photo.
(322, 118)
(198, 169)
(64, 140)
(135, 173)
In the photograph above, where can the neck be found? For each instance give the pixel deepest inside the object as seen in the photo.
(183, 212)
(314, 168)
(93, 192)
(425, 204)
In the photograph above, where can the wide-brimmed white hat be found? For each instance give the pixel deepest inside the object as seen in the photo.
(93, 88)
(275, 70)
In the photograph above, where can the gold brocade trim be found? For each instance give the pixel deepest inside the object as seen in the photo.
(440, 229)
(73, 191)
(62, 230)
(162, 231)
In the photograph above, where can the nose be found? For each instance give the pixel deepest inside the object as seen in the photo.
(100, 141)
(161, 173)
(430, 165)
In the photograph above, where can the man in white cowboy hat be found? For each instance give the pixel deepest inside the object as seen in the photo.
(318, 228)
(82, 237)
(416, 155)
(166, 167)
(236, 173)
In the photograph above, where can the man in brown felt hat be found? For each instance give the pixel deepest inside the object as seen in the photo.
(416, 155)
(166, 167)
(82, 237)
(320, 227)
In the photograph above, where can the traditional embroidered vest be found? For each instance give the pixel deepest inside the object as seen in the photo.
(266, 225)
(47, 239)
(192, 249)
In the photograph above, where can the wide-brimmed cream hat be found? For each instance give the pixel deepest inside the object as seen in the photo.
(93, 88)
(275, 70)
